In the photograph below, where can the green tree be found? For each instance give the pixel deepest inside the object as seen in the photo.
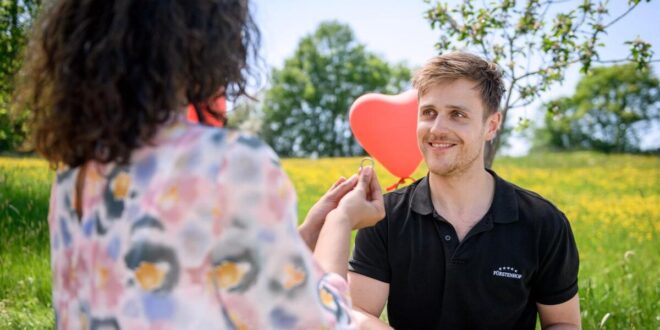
(533, 41)
(610, 110)
(16, 17)
(306, 108)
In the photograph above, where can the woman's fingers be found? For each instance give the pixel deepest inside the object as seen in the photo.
(338, 182)
(342, 188)
(375, 192)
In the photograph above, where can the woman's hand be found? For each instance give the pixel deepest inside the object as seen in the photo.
(310, 228)
(363, 206)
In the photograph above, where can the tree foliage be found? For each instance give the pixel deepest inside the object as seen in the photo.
(16, 17)
(306, 108)
(533, 41)
(610, 110)
(246, 114)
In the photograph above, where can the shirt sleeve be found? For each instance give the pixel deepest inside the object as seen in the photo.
(268, 277)
(557, 278)
(370, 255)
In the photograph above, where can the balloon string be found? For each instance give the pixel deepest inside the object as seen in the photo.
(400, 182)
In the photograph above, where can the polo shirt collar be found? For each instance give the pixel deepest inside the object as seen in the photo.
(420, 202)
(504, 208)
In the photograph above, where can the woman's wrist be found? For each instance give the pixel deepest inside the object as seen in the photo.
(339, 216)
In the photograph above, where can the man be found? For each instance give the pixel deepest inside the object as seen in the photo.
(462, 248)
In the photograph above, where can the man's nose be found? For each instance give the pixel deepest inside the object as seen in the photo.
(440, 125)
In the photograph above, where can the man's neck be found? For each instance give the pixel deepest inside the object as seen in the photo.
(462, 198)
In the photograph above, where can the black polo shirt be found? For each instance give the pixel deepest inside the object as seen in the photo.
(522, 252)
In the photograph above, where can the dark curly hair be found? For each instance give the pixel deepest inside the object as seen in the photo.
(101, 76)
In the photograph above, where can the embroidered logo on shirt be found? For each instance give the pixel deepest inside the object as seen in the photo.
(509, 272)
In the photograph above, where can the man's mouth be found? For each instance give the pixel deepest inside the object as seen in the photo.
(441, 145)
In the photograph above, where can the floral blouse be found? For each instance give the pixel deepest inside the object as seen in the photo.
(198, 232)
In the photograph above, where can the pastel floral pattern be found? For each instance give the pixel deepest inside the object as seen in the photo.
(198, 232)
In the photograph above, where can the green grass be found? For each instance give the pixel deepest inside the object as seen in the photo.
(25, 290)
(613, 203)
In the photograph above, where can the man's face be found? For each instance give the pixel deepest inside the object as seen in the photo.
(451, 130)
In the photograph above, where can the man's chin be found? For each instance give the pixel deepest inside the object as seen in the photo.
(445, 173)
(444, 170)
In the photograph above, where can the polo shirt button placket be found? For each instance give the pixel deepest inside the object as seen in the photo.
(447, 238)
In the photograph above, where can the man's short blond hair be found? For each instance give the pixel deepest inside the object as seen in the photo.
(456, 65)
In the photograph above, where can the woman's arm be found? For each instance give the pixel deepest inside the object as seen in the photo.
(361, 207)
(310, 229)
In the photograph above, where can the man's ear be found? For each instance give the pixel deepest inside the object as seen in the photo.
(493, 123)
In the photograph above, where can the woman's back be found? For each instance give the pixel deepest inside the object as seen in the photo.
(198, 232)
(161, 224)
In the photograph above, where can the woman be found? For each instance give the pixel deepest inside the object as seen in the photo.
(159, 223)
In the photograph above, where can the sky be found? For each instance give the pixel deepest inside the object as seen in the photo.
(397, 31)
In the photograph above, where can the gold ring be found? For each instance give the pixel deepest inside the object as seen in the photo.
(367, 159)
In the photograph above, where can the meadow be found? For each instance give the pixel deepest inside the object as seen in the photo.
(612, 201)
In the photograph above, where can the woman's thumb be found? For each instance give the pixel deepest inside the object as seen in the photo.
(365, 178)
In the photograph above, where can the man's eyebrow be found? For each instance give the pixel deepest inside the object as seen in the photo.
(458, 107)
(431, 106)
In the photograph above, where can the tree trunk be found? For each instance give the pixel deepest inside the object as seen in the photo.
(490, 151)
(493, 146)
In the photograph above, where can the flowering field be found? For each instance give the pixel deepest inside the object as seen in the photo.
(613, 203)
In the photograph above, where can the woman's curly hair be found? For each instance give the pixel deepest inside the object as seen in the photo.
(101, 76)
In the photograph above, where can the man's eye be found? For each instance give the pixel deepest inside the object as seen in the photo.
(428, 113)
(459, 114)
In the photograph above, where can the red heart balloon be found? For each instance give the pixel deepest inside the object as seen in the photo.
(219, 105)
(385, 126)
